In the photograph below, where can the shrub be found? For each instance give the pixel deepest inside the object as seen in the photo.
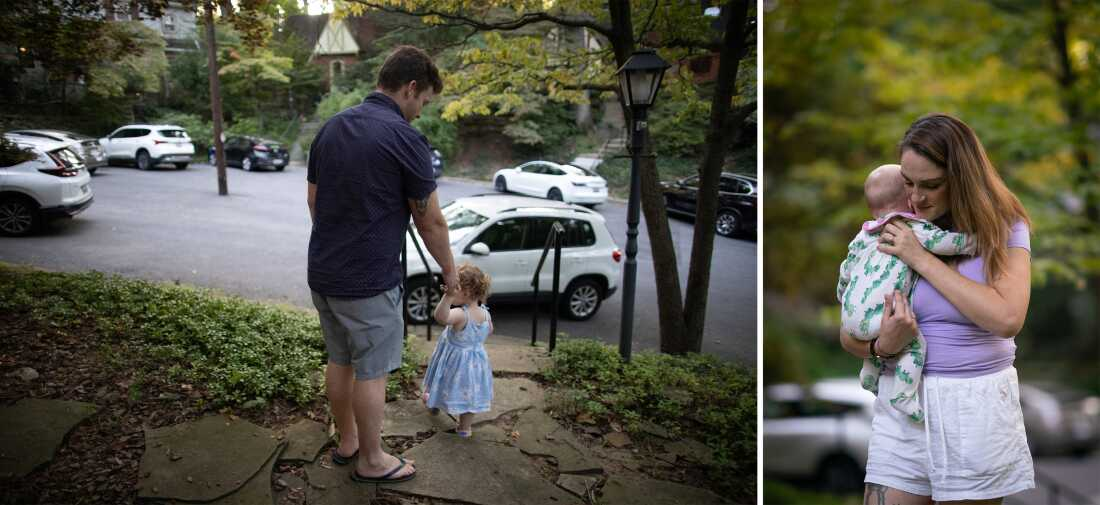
(200, 130)
(238, 350)
(339, 99)
(442, 134)
(691, 394)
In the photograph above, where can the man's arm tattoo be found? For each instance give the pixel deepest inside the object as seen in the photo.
(422, 206)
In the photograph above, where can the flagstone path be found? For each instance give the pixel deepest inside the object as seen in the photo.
(519, 454)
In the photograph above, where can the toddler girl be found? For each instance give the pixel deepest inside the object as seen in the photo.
(459, 379)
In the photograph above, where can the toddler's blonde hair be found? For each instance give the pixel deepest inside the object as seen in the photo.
(473, 282)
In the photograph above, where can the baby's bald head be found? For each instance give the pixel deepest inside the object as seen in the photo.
(885, 191)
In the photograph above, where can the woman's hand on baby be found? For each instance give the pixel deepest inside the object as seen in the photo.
(899, 324)
(900, 241)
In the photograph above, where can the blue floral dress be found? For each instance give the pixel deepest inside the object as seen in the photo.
(459, 378)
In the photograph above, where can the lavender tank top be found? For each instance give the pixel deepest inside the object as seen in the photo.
(956, 347)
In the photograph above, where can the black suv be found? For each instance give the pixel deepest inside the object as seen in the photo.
(251, 153)
(737, 197)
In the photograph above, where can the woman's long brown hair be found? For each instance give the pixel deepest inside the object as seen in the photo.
(980, 202)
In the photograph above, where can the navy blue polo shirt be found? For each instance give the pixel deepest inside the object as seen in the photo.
(367, 162)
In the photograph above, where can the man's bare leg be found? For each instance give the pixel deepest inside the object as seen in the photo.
(877, 494)
(339, 381)
(369, 402)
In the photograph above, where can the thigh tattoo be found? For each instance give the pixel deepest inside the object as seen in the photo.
(875, 494)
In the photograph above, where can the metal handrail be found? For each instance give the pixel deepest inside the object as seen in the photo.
(552, 238)
(405, 281)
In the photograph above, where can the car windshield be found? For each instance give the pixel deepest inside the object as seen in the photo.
(173, 134)
(460, 221)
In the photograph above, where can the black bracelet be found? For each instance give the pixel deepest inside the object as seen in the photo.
(876, 354)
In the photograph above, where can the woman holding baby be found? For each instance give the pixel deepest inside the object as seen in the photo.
(971, 446)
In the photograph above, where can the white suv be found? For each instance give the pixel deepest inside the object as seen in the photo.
(149, 145)
(48, 182)
(504, 236)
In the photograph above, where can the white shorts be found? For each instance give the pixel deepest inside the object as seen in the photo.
(975, 430)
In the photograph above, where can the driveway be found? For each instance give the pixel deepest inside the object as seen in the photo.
(170, 225)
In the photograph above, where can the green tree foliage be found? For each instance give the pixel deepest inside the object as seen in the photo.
(844, 81)
(442, 134)
(139, 70)
(72, 41)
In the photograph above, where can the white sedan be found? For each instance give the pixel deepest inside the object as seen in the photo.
(550, 180)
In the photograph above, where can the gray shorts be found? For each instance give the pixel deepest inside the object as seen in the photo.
(363, 332)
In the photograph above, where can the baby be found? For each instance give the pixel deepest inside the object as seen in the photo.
(867, 275)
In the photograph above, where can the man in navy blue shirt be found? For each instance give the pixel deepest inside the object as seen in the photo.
(369, 170)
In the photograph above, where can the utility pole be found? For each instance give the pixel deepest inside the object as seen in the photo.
(215, 97)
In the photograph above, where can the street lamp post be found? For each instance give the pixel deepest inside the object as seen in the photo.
(639, 79)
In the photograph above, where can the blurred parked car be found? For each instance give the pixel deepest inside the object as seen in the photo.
(505, 236)
(818, 433)
(49, 182)
(149, 145)
(1060, 420)
(546, 179)
(252, 153)
(91, 153)
(437, 163)
(737, 201)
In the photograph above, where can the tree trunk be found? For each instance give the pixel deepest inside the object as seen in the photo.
(665, 269)
(215, 97)
(718, 140)
(669, 306)
(1078, 123)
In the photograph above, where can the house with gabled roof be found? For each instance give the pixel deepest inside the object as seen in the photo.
(335, 43)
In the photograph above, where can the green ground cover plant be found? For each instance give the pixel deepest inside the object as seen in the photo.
(692, 396)
(242, 352)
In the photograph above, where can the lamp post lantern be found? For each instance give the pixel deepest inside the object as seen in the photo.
(639, 79)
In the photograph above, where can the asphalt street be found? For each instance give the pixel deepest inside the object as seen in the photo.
(170, 225)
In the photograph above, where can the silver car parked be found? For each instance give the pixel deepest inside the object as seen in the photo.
(91, 153)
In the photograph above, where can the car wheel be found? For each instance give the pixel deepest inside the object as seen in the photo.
(501, 184)
(143, 160)
(581, 299)
(181, 166)
(421, 297)
(554, 194)
(279, 169)
(246, 164)
(91, 171)
(840, 474)
(728, 223)
(18, 216)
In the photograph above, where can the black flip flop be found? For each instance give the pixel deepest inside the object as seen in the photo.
(385, 479)
(343, 460)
